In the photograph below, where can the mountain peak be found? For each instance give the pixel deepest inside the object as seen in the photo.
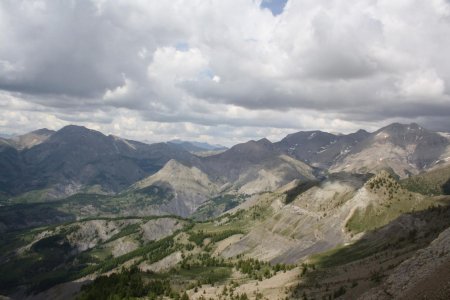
(397, 127)
(252, 145)
(77, 131)
(194, 146)
(415, 125)
(74, 128)
(362, 131)
(264, 141)
(43, 131)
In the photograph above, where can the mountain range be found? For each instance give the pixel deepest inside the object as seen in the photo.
(76, 159)
(198, 147)
(315, 215)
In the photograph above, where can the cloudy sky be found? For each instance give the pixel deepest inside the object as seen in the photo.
(223, 71)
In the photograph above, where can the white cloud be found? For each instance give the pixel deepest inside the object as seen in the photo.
(211, 68)
(120, 91)
(422, 84)
(170, 64)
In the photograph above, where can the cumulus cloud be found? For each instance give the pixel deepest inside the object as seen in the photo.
(224, 70)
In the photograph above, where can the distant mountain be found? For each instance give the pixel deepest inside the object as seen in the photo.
(255, 166)
(405, 148)
(248, 168)
(75, 158)
(232, 162)
(320, 149)
(31, 139)
(5, 136)
(27, 140)
(195, 147)
(357, 231)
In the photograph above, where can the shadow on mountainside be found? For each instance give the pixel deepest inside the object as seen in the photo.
(63, 291)
(23, 216)
(446, 188)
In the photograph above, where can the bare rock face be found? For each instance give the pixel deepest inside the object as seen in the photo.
(164, 264)
(90, 233)
(159, 228)
(123, 246)
(294, 231)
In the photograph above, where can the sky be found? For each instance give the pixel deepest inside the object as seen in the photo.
(223, 71)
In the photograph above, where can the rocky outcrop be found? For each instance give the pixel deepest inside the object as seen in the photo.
(164, 264)
(313, 222)
(160, 228)
(89, 234)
